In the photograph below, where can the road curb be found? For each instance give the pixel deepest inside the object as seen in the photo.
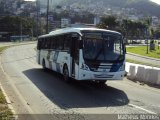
(9, 103)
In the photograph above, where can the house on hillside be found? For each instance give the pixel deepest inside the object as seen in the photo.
(5, 36)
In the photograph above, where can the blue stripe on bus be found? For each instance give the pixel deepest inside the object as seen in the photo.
(115, 67)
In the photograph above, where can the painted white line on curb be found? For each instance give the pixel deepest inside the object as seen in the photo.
(5, 95)
(148, 111)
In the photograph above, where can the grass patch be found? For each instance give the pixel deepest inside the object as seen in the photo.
(141, 50)
(2, 98)
(3, 48)
(142, 63)
(5, 112)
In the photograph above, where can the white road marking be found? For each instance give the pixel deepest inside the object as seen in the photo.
(148, 111)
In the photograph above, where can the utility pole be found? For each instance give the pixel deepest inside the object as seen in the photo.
(147, 36)
(37, 19)
(21, 29)
(47, 17)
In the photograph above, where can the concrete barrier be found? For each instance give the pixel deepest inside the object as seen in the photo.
(140, 74)
(146, 74)
(132, 72)
(152, 76)
(158, 81)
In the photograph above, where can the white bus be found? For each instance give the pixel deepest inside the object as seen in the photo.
(83, 54)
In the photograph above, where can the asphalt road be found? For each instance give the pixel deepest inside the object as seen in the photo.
(34, 91)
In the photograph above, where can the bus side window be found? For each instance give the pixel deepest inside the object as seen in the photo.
(43, 43)
(49, 43)
(45, 46)
(57, 42)
(52, 42)
(53, 39)
(67, 39)
(61, 42)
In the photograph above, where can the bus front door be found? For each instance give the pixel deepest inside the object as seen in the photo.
(74, 54)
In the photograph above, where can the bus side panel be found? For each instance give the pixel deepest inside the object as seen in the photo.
(53, 61)
(43, 55)
(76, 71)
(62, 59)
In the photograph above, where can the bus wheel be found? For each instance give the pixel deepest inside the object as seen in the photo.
(102, 82)
(66, 74)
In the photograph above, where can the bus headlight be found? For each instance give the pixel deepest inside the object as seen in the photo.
(122, 68)
(84, 67)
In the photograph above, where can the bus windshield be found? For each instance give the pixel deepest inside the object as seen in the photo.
(103, 46)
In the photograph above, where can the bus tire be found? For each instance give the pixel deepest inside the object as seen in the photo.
(44, 65)
(66, 74)
(102, 82)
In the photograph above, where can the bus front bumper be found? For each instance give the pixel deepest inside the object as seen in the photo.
(90, 75)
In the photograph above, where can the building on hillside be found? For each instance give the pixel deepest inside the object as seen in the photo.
(133, 18)
(65, 22)
(84, 25)
(5, 36)
(154, 21)
(97, 20)
(54, 25)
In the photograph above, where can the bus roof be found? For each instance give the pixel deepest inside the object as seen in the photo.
(77, 30)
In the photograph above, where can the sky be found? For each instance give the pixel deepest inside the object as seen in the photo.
(156, 1)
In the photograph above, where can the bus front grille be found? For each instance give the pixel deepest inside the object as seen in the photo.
(101, 68)
(103, 76)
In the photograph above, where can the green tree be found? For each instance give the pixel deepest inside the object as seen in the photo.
(1, 7)
(157, 33)
(108, 22)
(133, 29)
(14, 25)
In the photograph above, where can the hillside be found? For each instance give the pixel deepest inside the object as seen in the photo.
(144, 6)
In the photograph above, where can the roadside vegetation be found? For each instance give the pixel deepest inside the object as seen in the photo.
(5, 112)
(3, 48)
(142, 50)
(142, 63)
